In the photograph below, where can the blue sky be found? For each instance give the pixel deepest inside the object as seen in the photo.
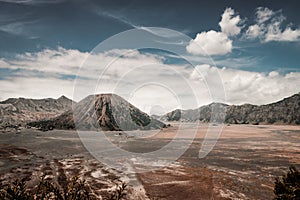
(259, 37)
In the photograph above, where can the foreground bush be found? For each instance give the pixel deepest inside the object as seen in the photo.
(120, 192)
(288, 186)
(74, 189)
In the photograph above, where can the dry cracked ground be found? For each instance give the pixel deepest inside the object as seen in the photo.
(242, 165)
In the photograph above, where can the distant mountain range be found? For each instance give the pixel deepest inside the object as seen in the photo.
(286, 111)
(20, 111)
(102, 111)
(111, 112)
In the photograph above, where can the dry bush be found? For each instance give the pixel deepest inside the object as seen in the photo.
(288, 186)
(72, 189)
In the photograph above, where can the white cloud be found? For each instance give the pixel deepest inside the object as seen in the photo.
(199, 72)
(254, 31)
(230, 23)
(217, 43)
(274, 33)
(68, 61)
(60, 61)
(268, 27)
(263, 14)
(210, 43)
(273, 74)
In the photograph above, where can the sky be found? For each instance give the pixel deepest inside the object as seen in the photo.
(234, 51)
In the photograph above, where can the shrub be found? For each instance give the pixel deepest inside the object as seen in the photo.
(120, 192)
(17, 190)
(72, 189)
(288, 186)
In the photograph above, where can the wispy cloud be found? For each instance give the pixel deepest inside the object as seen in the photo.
(32, 2)
(269, 27)
(20, 28)
(112, 15)
(16, 28)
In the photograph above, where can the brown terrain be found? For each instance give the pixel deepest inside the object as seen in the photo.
(242, 165)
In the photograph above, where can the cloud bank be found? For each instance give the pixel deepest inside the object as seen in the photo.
(51, 73)
(251, 87)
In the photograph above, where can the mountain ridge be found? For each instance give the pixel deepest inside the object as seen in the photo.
(285, 111)
(101, 111)
(15, 112)
(19, 111)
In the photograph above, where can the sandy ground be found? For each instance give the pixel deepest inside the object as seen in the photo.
(242, 165)
(58, 154)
